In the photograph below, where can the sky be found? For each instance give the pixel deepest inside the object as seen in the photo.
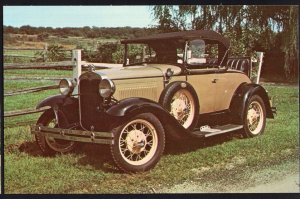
(78, 16)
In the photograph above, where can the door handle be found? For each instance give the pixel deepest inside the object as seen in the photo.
(214, 81)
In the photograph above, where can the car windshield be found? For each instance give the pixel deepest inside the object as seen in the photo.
(198, 53)
(201, 53)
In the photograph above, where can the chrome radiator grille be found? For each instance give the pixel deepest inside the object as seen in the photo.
(89, 101)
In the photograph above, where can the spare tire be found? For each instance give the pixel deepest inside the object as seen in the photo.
(181, 100)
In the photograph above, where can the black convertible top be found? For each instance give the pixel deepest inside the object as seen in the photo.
(185, 35)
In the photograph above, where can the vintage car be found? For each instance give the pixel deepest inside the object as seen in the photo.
(172, 86)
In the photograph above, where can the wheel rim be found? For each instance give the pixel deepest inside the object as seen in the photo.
(183, 107)
(138, 142)
(61, 146)
(255, 117)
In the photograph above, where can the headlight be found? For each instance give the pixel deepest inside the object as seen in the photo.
(66, 86)
(106, 88)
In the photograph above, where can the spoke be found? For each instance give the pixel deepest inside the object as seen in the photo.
(145, 152)
(150, 143)
(123, 143)
(148, 133)
(134, 126)
(125, 131)
(142, 127)
(124, 150)
(130, 156)
(184, 118)
(139, 157)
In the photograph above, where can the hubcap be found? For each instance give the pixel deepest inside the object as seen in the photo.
(138, 142)
(182, 107)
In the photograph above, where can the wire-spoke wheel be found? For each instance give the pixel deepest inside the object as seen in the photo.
(183, 107)
(182, 102)
(48, 144)
(139, 143)
(255, 117)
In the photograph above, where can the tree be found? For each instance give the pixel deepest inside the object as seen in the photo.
(249, 27)
(54, 53)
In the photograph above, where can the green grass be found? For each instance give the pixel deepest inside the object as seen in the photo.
(21, 52)
(91, 169)
(87, 43)
(25, 101)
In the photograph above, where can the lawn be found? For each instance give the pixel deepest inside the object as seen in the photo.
(90, 169)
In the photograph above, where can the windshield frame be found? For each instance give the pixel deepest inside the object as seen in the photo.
(222, 52)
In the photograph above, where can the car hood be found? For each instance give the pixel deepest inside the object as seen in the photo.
(141, 71)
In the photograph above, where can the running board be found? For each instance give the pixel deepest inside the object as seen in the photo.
(207, 131)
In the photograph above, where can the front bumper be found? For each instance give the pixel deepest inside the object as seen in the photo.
(74, 135)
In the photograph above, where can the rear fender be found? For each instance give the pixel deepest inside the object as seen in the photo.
(127, 108)
(241, 98)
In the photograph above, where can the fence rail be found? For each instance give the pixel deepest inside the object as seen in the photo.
(38, 65)
(31, 90)
(24, 112)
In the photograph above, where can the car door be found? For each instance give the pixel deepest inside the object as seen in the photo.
(201, 75)
(203, 81)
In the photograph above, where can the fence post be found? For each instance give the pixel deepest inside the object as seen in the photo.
(260, 56)
(45, 52)
(76, 58)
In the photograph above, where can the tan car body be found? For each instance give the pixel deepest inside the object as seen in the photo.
(214, 89)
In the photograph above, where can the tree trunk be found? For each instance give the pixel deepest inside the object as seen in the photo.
(291, 45)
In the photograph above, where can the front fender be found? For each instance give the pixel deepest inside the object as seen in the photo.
(127, 108)
(241, 97)
(56, 100)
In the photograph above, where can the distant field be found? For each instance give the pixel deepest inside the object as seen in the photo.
(21, 52)
(68, 43)
(17, 43)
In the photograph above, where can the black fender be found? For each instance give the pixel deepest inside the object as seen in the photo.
(66, 106)
(241, 98)
(127, 108)
(57, 100)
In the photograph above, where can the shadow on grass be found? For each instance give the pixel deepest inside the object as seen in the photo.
(189, 145)
(31, 148)
(94, 155)
(99, 156)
